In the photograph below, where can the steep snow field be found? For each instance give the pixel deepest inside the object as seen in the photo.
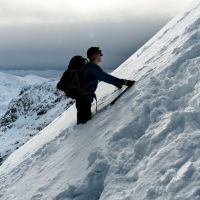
(11, 85)
(146, 146)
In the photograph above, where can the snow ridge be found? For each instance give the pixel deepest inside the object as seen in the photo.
(11, 85)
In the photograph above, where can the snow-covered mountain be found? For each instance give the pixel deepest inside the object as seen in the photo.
(11, 85)
(145, 147)
(32, 110)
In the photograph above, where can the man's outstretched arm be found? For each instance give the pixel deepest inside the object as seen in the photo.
(103, 76)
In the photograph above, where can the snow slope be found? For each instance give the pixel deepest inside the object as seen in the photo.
(146, 146)
(11, 85)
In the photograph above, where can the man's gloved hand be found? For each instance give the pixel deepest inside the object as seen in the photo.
(128, 83)
(119, 86)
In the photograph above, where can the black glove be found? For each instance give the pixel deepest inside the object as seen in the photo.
(119, 86)
(128, 83)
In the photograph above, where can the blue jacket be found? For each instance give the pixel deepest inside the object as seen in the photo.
(93, 74)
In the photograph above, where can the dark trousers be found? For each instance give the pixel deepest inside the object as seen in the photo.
(84, 113)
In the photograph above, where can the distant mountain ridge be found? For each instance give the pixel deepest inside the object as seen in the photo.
(11, 85)
(28, 113)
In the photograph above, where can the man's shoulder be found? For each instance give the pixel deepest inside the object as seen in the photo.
(91, 64)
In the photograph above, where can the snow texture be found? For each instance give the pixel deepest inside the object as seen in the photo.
(145, 147)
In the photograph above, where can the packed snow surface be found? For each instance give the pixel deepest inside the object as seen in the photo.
(146, 146)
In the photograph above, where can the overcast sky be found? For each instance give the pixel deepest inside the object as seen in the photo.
(38, 34)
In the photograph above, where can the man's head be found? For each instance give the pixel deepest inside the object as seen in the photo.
(94, 54)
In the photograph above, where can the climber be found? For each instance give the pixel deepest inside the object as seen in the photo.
(92, 74)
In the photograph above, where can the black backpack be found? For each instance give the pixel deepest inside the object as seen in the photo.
(72, 80)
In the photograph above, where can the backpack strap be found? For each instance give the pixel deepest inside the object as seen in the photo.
(96, 101)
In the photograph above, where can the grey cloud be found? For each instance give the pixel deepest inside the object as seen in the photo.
(19, 11)
(52, 45)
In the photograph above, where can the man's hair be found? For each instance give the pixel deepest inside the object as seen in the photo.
(92, 51)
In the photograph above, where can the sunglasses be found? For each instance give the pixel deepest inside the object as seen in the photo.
(100, 53)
